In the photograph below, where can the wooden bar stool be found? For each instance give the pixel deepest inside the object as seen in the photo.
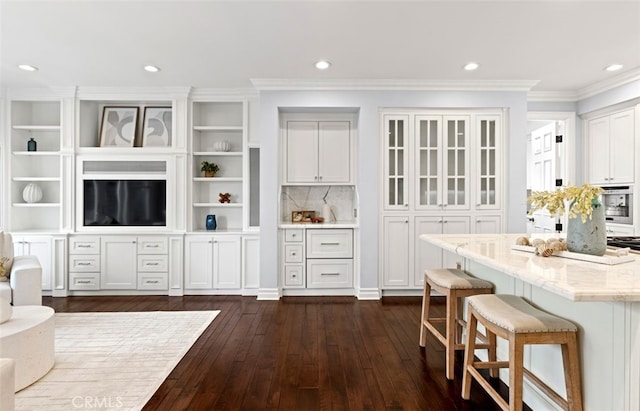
(455, 285)
(512, 318)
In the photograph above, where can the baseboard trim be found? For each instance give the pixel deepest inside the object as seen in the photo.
(268, 294)
(369, 294)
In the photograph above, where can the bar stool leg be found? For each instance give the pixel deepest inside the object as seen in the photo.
(571, 363)
(426, 300)
(491, 340)
(451, 325)
(516, 358)
(470, 346)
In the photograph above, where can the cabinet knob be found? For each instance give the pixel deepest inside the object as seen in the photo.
(293, 235)
(294, 276)
(445, 221)
(293, 253)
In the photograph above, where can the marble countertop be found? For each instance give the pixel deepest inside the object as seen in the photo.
(339, 224)
(573, 279)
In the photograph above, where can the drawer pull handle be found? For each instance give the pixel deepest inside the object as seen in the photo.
(329, 243)
(152, 245)
(84, 282)
(152, 281)
(84, 246)
(151, 263)
(329, 273)
(84, 264)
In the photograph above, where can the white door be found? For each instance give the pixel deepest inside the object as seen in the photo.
(426, 255)
(543, 173)
(226, 262)
(395, 265)
(198, 263)
(334, 152)
(302, 152)
(598, 153)
(118, 263)
(453, 225)
(622, 147)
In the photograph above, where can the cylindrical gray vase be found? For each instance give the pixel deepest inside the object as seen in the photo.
(589, 237)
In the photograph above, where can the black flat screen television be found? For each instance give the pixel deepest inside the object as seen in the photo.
(125, 203)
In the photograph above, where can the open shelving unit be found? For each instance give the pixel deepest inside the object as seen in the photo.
(214, 122)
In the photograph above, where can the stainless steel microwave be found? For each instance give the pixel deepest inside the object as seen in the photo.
(618, 204)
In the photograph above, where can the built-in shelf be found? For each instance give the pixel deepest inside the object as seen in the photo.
(36, 153)
(223, 205)
(36, 205)
(54, 179)
(218, 179)
(218, 153)
(36, 128)
(218, 128)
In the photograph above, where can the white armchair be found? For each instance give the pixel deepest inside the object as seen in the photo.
(25, 281)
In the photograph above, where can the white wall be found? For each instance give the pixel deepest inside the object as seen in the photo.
(369, 103)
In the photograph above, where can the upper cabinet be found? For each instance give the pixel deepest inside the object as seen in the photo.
(318, 152)
(611, 148)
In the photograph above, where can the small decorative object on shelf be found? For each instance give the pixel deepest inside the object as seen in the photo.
(224, 197)
(586, 235)
(209, 169)
(32, 145)
(32, 193)
(302, 216)
(221, 146)
(211, 223)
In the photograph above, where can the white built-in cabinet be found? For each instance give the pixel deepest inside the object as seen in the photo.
(611, 148)
(41, 247)
(317, 152)
(441, 174)
(219, 135)
(213, 262)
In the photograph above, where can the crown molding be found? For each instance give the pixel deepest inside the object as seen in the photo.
(223, 93)
(552, 96)
(132, 93)
(608, 84)
(41, 93)
(392, 84)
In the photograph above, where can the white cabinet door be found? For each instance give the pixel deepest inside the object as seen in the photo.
(395, 265)
(334, 152)
(426, 255)
(118, 265)
(39, 246)
(251, 262)
(428, 180)
(489, 224)
(396, 162)
(455, 162)
(226, 262)
(488, 174)
(302, 152)
(198, 263)
(453, 225)
(622, 147)
(598, 154)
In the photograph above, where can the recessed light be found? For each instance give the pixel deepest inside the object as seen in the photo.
(613, 67)
(322, 64)
(152, 69)
(27, 67)
(471, 66)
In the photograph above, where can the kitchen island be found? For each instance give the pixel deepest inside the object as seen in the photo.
(602, 300)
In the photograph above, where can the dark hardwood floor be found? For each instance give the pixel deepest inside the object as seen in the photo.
(301, 353)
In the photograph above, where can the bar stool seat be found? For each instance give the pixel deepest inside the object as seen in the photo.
(455, 285)
(512, 318)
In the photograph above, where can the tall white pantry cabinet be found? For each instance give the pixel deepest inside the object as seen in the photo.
(442, 174)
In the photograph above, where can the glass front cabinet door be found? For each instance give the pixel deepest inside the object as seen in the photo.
(395, 162)
(487, 172)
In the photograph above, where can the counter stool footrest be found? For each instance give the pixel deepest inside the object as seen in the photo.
(491, 364)
(488, 388)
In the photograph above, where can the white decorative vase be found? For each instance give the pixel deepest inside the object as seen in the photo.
(327, 214)
(32, 193)
(221, 146)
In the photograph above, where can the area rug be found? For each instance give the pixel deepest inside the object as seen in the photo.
(113, 361)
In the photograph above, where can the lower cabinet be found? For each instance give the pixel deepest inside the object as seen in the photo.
(41, 247)
(213, 262)
(118, 263)
(317, 258)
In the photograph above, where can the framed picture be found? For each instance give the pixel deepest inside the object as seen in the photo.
(302, 216)
(156, 126)
(118, 127)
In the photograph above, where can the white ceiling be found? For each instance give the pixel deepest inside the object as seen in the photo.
(224, 44)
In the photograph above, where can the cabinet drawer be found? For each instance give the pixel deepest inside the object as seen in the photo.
(84, 263)
(293, 235)
(330, 273)
(84, 281)
(155, 281)
(153, 263)
(293, 253)
(153, 245)
(330, 243)
(293, 275)
(84, 245)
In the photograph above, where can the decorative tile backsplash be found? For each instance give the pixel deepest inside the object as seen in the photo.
(341, 199)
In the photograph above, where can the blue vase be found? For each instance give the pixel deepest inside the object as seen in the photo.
(210, 223)
(589, 237)
(32, 145)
